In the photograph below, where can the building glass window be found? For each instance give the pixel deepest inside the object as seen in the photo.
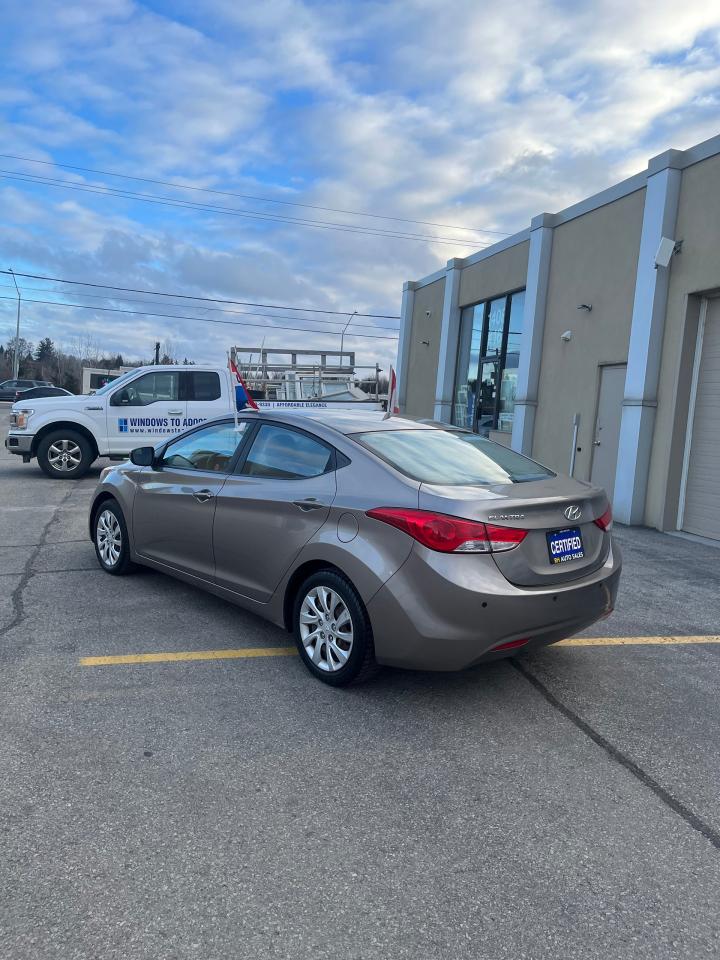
(488, 357)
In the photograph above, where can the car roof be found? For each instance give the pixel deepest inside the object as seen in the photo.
(44, 386)
(351, 421)
(343, 421)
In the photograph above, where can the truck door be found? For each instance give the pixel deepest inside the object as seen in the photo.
(144, 410)
(205, 392)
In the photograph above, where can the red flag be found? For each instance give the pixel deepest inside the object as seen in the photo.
(393, 393)
(248, 399)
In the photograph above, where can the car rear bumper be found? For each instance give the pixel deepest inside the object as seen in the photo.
(19, 443)
(439, 612)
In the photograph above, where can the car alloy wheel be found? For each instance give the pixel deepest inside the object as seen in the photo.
(64, 456)
(326, 629)
(108, 536)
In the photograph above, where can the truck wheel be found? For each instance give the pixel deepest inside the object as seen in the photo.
(65, 455)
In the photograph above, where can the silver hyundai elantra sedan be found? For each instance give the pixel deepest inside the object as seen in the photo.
(375, 541)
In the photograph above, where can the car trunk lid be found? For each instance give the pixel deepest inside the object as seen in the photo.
(562, 542)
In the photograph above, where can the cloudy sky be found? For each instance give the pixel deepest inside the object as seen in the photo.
(465, 114)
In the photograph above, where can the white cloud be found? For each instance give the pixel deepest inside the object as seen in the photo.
(482, 116)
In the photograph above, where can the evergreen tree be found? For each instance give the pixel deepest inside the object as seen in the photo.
(45, 351)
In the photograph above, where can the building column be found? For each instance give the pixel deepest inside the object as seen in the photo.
(531, 343)
(646, 338)
(449, 335)
(403, 354)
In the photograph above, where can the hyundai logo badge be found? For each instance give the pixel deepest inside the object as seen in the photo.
(573, 512)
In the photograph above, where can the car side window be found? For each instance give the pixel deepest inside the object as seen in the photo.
(150, 388)
(281, 454)
(211, 448)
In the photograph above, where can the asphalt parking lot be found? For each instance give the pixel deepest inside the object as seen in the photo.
(562, 805)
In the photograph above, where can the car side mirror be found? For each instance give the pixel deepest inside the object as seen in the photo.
(120, 399)
(143, 456)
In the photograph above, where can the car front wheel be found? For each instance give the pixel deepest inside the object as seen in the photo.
(332, 630)
(111, 539)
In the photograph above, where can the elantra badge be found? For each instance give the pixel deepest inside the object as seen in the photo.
(572, 512)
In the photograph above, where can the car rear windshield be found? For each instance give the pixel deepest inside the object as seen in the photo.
(451, 457)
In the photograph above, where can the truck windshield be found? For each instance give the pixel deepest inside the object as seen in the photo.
(451, 457)
(114, 383)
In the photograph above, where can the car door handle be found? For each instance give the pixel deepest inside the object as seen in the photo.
(202, 496)
(94, 408)
(174, 413)
(309, 503)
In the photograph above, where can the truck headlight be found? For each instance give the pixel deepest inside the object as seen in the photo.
(21, 418)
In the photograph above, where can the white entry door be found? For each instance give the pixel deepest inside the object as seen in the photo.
(607, 427)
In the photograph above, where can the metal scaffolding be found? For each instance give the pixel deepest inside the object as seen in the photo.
(273, 374)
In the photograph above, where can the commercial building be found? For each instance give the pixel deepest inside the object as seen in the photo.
(591, 342)
(95, 377)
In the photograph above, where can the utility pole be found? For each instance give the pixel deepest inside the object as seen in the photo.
(342, 335)
(157, 353)
(16, 351)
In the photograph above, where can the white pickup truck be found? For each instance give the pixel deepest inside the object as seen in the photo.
(141, 407)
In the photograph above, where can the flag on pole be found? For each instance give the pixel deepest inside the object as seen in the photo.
(392, 404)
(242, 394)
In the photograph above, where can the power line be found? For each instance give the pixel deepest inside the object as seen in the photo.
(178, 203)
(175, 316)
(229, 211)
(245, 196)
(188, 296)
(240, 313)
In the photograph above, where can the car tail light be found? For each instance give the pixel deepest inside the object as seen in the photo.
(438, 531)
(605, 521)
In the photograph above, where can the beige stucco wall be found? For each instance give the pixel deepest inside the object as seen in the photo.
(594, 260)
(695, 270)
(502, 273)
(421, 374)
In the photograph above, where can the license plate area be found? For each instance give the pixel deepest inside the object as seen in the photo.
(565, 545)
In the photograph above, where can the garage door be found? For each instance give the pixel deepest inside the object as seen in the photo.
(701, 514)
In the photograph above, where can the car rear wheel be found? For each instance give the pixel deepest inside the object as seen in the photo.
(111, 539)
(65, 455)
(332, 630)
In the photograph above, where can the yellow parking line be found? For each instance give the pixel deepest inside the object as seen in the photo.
(241, 653)
(247, 652)
(630, 641)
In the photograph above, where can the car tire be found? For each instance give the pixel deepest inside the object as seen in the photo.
(65, 455)
(332, 630)
(110, 537)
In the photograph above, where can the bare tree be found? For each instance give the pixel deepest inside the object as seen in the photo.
(168, 351)
(86, 347)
